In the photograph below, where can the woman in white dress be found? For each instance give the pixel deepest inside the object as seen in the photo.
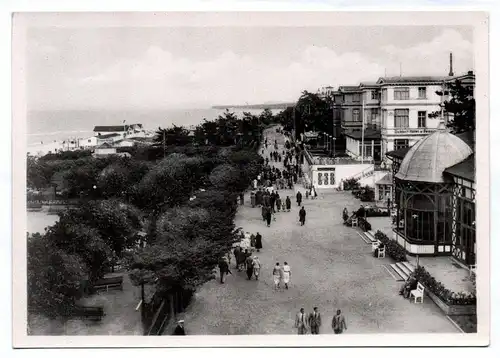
(287, 273)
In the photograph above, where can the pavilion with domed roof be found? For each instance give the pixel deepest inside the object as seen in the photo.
(434, 196)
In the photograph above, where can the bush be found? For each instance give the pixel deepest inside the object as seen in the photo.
(392, 248)
(351, 184)
(437, 288)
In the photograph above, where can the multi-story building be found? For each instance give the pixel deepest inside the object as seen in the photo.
(405, 105)
(371, 105)
(351, 107)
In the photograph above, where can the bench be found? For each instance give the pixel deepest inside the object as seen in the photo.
(85, 312)
(418, 293)
(109, 283)
(381, 253)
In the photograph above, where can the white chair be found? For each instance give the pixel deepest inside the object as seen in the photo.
(375, 245)
(472, 269)
(418, 293)
(354, 222)
(381, 253)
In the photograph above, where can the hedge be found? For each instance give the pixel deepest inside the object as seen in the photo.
(392, 248)
(438, 289)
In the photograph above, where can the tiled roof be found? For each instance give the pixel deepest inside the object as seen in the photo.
(430, 156)
(465, 169)
(368, 84)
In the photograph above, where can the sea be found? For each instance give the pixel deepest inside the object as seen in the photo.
(61, 125)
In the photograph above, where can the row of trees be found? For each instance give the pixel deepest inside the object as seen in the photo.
(182, 206)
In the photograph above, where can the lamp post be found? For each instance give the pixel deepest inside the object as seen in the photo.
(415, 217)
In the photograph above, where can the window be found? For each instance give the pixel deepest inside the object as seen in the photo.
(401, 118)
(401, 93)
(374, 95)
(422, 115)
(384, 95)
(422, 92)
(400, 143)
(374, 115)
(356, 97)
(355, 115)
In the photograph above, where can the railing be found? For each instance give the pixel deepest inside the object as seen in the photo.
(363, 174)
(394, 131)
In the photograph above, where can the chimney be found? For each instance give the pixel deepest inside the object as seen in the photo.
(451, 65)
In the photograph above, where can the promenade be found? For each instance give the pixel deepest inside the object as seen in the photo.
(332, 268)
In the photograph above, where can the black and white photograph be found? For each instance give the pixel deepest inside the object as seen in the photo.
(305, 178)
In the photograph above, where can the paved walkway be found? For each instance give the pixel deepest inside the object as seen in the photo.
(331, 268)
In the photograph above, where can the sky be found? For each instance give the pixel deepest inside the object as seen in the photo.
(197, 67)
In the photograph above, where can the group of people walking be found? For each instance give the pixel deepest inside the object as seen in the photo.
(281, 274)
(312, 322)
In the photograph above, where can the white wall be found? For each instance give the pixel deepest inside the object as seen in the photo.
(102, 151)
(341, 171)
(432, 97)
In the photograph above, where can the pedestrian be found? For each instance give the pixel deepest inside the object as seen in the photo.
(299, 198)
(264, 212)
(242, 256)
(252, 199)
(242, 198)
(179, 330)
(338, 323)
(252, 240)
(300, 322)
(287, 274)
(268, 217)
(249, 267)
(256, 267)
(277, 276)
(278, 203)
(288, 203)
(236, 253)
(314, 194)
(302, 216)
(224, 268)
(345, 214)
(307, 194)
(258, 242)
(314, 321)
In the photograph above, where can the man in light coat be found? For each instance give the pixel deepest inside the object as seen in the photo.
(300, 322)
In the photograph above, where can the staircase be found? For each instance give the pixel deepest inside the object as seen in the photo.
(400, 271)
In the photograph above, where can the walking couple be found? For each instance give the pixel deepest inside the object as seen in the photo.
(281, 274)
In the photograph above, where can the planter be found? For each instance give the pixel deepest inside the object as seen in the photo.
(450, 310)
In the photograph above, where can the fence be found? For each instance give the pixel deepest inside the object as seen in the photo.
(162, 309)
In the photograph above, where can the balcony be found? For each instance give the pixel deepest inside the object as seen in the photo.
(407, 131)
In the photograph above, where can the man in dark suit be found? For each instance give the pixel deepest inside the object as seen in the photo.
(179, 330)
(314, 321)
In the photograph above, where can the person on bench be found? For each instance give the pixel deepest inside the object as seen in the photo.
(410, 284)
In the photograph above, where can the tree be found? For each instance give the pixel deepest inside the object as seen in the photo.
(315, 112)
(226, 177)
(461, 104)
(54, 277)
(174, 135)
(80, 239)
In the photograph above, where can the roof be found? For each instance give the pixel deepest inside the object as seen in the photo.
(430, 156)
(104, 145)
(369, 84)
(386, 180)
(369, 134)
(398, 153)
(465, 169)
(468, 137)
(411, 79)
(104, 136)
(115, 128)
(349, 89)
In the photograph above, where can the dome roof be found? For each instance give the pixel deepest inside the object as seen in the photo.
(429, 157)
